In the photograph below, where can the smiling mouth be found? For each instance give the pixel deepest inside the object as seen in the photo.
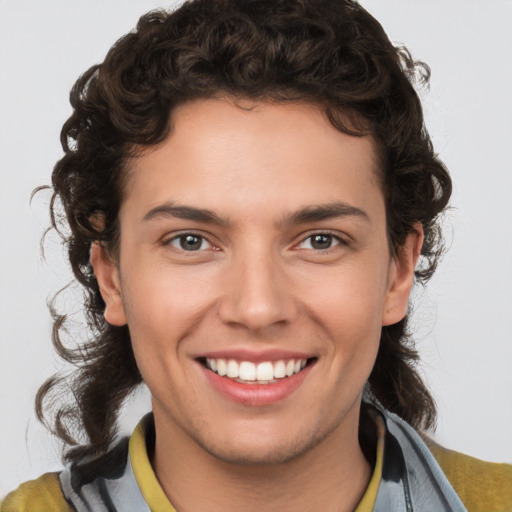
(247, 372)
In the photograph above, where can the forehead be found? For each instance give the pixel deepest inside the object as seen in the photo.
(245, 154)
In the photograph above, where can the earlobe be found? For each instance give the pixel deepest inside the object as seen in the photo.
(107, 275)
(401, 276)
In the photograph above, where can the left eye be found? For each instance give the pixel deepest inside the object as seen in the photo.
(190, 242)
(319, 242)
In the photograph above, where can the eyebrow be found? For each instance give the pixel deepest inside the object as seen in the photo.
(186, 213)
(324, 212)
(305, 215)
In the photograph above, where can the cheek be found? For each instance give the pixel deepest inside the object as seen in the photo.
(162, 307)
(354, 328)
(160, 316)
(158, 294)
(348, 300)
(348, 313)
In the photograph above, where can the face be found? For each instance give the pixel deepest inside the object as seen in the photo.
(255, 276)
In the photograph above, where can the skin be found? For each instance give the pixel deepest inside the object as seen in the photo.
(256, 284)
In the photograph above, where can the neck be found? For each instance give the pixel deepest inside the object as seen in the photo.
(332, 476)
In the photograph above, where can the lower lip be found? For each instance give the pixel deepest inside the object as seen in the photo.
(256, 394)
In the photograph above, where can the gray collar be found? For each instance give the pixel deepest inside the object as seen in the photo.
(412, 480)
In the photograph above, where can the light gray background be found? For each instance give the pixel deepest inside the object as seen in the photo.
(464, 317)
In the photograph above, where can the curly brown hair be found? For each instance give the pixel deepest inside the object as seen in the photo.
(330, 53)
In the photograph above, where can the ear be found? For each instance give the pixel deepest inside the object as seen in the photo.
(401, 276)
(107, 275)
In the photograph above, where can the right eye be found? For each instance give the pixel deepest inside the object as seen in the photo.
(320, 242)
(189, 242)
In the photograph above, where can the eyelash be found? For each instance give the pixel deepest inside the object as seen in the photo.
(335, 239)
(182, 236)
(179, 238)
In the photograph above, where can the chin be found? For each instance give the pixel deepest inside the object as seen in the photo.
(256, 456)
(263, 449)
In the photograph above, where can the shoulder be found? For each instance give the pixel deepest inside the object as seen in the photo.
(39, 495)
(482, 486)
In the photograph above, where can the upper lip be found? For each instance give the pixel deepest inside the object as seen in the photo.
(255, 356)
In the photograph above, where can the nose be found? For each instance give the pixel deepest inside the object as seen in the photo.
(257, 294)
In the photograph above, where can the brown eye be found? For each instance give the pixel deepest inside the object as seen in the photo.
(189, 242)
(320, 242)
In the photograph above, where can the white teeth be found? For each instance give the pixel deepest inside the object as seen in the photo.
(279, 370)
(232, 369)
(221, 367)
(263, 373)
(247, 371)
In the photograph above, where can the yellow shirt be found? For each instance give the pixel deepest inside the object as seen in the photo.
(44, 494)
(482, 486)
(157, 500)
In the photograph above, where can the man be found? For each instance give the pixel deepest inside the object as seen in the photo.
(249, 189)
